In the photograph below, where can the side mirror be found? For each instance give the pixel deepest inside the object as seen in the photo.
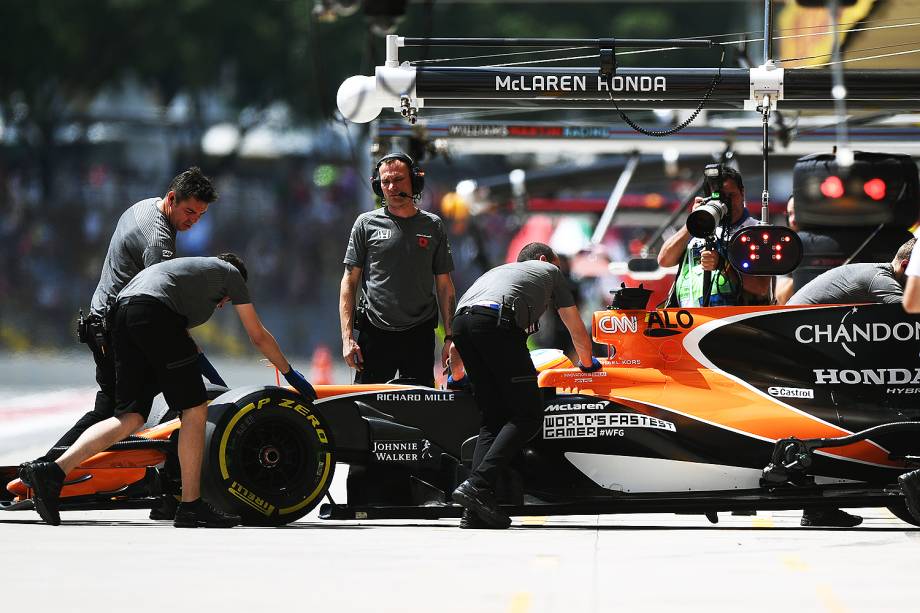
(765, 250)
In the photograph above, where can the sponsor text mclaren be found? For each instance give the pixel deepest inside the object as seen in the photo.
(576, 406)
(579, 83)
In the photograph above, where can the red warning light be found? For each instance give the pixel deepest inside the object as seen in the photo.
(832, 187)
(875, 189)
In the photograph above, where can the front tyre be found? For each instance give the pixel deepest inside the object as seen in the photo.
(268, 456)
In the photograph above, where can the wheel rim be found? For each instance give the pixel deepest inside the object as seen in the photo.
(274, 456)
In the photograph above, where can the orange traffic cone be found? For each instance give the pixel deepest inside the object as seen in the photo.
(321, 366)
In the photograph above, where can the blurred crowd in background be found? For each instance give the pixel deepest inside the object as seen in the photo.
(288, 219)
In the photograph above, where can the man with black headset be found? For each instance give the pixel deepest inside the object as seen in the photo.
(729, 287)
(401, 256)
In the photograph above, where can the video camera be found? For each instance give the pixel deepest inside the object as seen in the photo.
(702, 222)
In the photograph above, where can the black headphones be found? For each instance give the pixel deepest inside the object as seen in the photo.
(416, 174)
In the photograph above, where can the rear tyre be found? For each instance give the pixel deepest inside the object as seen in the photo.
(269, 456)
(900, 511)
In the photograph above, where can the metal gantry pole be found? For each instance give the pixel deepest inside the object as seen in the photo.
(839, 92)
(765, 112)
(615, 196)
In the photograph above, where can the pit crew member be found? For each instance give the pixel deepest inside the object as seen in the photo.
(910, 482)
(144, 236)
(398, 253)
(154, 353)
(853, 283)
(864, 282)
(729, 287)
(490, 332)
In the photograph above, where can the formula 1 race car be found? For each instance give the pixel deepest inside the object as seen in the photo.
(695, 411)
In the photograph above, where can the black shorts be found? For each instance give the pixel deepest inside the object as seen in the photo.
(154, 353)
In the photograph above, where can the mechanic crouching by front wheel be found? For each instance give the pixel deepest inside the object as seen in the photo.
(491, 327)
(154, 353)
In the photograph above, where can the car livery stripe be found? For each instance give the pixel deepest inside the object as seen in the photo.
(778, 419)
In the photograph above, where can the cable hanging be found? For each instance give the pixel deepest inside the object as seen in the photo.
(668, 132)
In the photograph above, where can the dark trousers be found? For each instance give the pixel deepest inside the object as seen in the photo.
(410, 352)
(105, 400)
(505, 388)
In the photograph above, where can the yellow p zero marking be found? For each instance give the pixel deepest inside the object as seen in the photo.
(263, 402)
(287, 404)
(315, 492)
(222, 453)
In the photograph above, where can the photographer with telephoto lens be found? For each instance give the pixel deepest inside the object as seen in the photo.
(705, 277)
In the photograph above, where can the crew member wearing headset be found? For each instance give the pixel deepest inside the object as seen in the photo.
(401, 257)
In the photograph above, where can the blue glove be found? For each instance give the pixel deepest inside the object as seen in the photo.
(463, 383)
(297, 381)
(209, 372)
(594, 367)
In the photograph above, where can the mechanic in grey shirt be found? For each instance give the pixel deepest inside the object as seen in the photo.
(401, 257)
(855, 283)
(154, 353)
(145, 235)
(490, 333)
(850, 284)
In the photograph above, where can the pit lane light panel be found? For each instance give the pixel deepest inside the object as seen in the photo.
(765, 250)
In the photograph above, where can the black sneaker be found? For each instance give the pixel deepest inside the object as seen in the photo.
(46, 479)
(166, 510)
(471, 521)
(910, 487)
(22, 475)
(199, 514)
(480, 502)
(829, 518)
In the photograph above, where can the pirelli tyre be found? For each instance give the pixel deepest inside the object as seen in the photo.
(268, 457)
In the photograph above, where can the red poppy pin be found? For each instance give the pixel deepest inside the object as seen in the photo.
(422, 241)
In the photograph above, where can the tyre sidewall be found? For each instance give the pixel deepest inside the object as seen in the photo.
(247, 426)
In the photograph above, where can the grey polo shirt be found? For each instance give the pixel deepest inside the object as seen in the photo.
(191, 287)
(851, 283)
(399, 258)
(530, 287)
(142, 238)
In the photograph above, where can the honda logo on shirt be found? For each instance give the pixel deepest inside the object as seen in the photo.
(382, 234)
